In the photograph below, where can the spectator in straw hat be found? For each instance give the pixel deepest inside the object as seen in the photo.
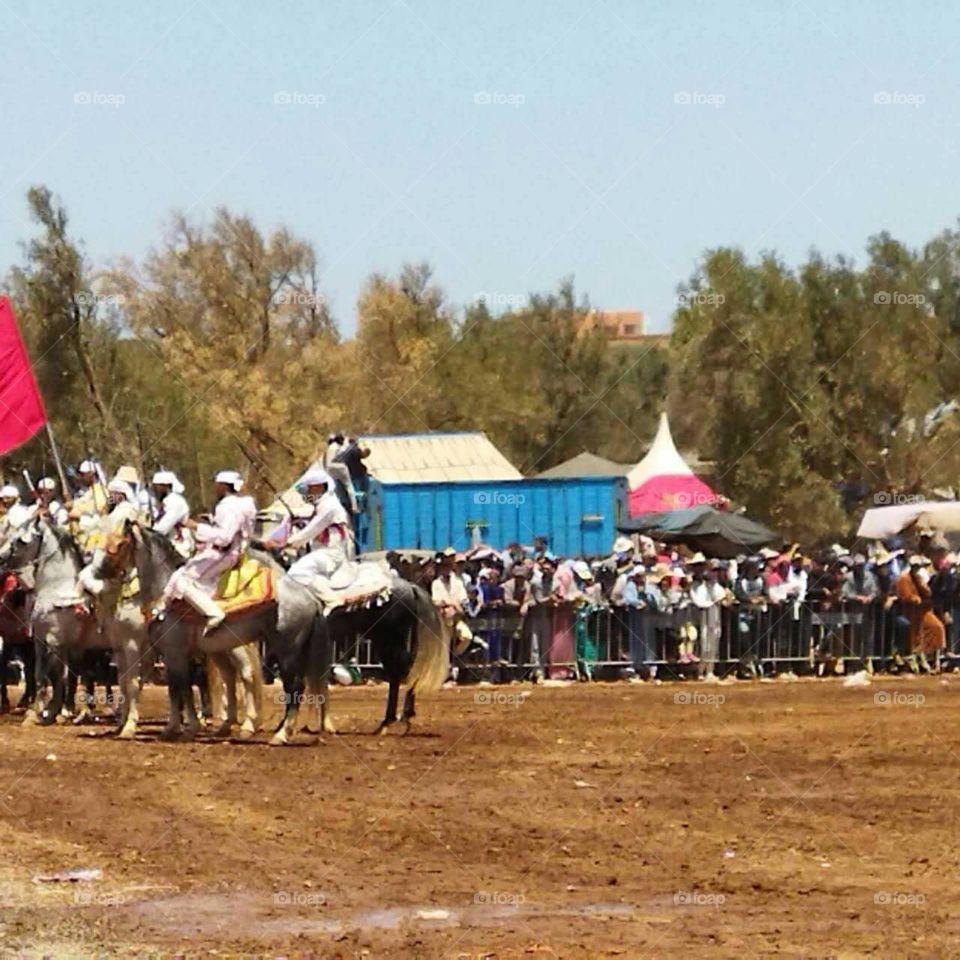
(859, 585)
(945, 593)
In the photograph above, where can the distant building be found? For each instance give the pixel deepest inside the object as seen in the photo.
(625, 326)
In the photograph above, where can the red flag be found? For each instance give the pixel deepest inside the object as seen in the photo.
(21, 406)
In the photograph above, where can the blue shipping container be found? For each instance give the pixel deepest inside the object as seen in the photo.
(579, 515)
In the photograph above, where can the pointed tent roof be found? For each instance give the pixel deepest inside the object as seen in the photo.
(662, 480)
(586, 464)
(662, 458)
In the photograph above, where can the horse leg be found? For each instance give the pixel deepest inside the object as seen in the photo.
(59, 682)
(4, 660)
(40, 669)
(246, 667)
(293, 686)
(220, 669)
(409, 710)
(322, 693)
(129, 682)
(390, 716)
(29, 675)
(86, 675)
(200, 677)
(178, 690)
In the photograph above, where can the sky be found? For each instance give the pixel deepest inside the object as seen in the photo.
(509, 143)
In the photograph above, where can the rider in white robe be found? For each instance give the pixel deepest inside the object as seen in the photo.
(172, 512)
(15, 514)
(123, 510)
(48, 503)
(327, 532)
(222, 543)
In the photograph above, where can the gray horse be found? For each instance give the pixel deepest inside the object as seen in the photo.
(286, 627)
(63, 630)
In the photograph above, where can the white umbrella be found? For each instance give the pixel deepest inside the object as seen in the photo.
(882, 522)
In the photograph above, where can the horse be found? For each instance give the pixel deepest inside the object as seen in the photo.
(62, 628)
(286, 626)
(15, 640)
(407, 638)
(228, 666)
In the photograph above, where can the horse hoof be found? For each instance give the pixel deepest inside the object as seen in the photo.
(127, 733)
(30, 719)
(245, 734)
(382, 730)
(329, 727)
(278, 740)
(224, 730)
(60, 720)
(170, 734)
(83, 719)
(406, 728)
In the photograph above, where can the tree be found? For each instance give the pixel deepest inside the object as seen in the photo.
(66, 325)
(242, 328)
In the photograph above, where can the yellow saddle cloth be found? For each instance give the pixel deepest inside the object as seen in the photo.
(247, 585)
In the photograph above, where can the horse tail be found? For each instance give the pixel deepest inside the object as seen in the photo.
(431, 663)
(319, 655)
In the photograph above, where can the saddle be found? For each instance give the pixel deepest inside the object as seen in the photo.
(247, 587)
(353, 584)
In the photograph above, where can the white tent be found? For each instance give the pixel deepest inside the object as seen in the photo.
(662, 459)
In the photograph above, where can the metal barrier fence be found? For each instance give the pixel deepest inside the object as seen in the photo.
(566, 640)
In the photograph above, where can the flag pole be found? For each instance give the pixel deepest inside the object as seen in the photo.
(67, 493)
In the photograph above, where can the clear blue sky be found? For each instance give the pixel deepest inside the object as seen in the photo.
(583, 162)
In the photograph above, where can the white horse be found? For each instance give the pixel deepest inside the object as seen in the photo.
(286, 626)
(61, 626)
(61, 632)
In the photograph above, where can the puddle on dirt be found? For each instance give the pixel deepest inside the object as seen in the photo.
(247, 914)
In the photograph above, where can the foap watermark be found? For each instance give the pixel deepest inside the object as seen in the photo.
(697, 698)
(299, 298)
(302, 699)
(498, 898)
(496, 98)
(894, 698)
(894, 98)
(95, 98)
(299, 898)
(494, 298)
(298, 98)
(698, 898)
(498, 498)
(86, 298)
(891, 498)
(697, 98)
(98, 898)
(897, 298)
(898, 898)
(497, 698)
(700, 299)
(698, 498)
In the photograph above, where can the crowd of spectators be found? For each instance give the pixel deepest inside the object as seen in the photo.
(650, 604)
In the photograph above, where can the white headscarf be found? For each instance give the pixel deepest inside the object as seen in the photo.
(168, 478)
(231, 478)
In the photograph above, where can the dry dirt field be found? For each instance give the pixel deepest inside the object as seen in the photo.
(802, 819)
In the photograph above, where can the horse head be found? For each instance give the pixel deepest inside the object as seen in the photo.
(120, 550)
(22, 548)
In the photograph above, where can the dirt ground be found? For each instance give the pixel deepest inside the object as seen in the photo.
(806, 819)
